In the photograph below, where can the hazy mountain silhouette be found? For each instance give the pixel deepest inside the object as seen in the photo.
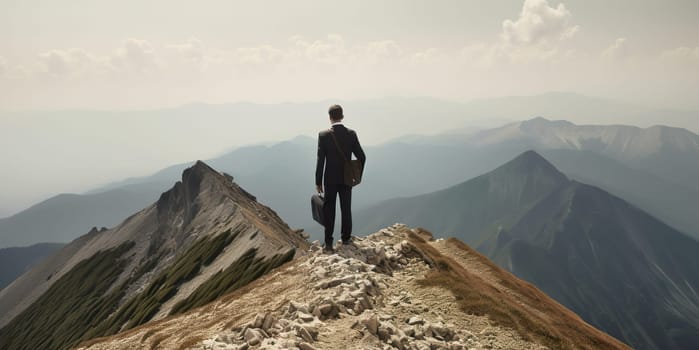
(670, 153)
(203, 238)
(616, 266)
(64, 217)
(17, 260)
(280, 174)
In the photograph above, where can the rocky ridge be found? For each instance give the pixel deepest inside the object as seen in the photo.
(355, 284)
(368, 295)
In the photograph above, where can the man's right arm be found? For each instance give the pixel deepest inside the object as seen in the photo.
(320, 162)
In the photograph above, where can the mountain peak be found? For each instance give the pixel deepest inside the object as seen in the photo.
(530, 156)
(199, 165)
(197, 172)
(540, 122)
(194, 176)
(531, 162)
(201, 185)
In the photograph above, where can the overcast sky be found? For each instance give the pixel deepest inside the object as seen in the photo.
(134, 55)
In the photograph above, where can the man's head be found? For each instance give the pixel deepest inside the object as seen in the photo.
(335, 112)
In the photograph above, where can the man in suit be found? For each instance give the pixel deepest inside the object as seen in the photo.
(330, 159)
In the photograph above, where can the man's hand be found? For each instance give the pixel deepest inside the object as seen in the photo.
(319, 188)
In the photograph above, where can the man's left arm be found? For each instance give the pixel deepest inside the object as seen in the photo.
(358, 151)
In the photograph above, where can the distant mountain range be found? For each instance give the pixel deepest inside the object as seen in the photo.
(66, 216)
(652, 168)
(669, 153)
(16, 261)
(619, 268)
(203, 238)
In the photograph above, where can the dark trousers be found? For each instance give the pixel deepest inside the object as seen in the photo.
(331, 192)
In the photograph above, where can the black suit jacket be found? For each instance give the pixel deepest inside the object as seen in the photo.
(330, 158)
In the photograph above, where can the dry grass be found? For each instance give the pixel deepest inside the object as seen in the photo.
(554, 326)
(232, 322)
(149, 334)
(190, 342)
(90, 342)
(157, 340)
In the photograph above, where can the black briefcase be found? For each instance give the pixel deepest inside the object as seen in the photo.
(317, 203)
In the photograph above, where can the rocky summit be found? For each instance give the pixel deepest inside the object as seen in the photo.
(395, 289)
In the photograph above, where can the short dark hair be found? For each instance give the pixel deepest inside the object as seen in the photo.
(335, 112)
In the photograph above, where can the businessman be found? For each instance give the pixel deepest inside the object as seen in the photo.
(330, 167)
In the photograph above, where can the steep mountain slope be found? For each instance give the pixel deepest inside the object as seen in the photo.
(395, 289)
(617, 267)
(674, 204)
(203, 238)
(17, 260)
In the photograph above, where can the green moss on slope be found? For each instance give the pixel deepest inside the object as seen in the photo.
(73, 304)
(144, 306)
(80, 306)
(243, 271)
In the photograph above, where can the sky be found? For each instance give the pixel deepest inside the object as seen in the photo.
(69, 58)
(150, 54)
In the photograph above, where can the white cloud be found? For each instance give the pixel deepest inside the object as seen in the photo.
(685, 53)
(332, 50)
(57, 62)
(618, 49)
(190, 51)
(539, 23)
(136, 56)
(158, 74)
(538, 35)
(430, 56)
(73, 62)
(263, 54)
(377, 52)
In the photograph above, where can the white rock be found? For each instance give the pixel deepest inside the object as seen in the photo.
(305, 346)
(304, 334)
(268, 322)
(294, 306)
(371, 322)
(416, 320)
(252, 337)
(305, 317)
(259, 320)
(326, 308)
